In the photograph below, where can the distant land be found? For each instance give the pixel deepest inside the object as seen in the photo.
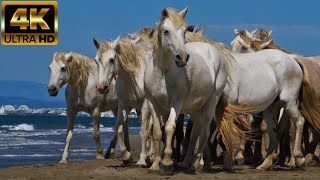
(32, 94)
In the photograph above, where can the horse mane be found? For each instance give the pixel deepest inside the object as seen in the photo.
(264, 37)
(243, 35)
(130, 56)
(272, 45)
(80, 66)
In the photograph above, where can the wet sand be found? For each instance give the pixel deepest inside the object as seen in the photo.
(114, 169)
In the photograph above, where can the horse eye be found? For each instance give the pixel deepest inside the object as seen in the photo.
(111, 60)
(166, 32)
(63, 69)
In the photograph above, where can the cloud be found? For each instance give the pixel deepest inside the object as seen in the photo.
(288, 30)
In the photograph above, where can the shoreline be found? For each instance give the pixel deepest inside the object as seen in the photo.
(113, 169)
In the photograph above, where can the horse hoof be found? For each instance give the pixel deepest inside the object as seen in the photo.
(207, 169)
(300, 162)
(109, 155)
(153, 170)
(240, 162)
(141, 165)
(191, 170)
(166, 170)
(264, 168)
(63, 162)
(184, 165)
(148, 161)
(311, 160)
(258, 162)
(99, 156)
(228, 169)
(127, 162)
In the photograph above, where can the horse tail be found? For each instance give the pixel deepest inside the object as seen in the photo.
(235, 123)
(309, 101)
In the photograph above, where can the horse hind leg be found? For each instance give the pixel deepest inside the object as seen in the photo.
(239, 154)
(186, 139)
(194, 128)
(269, 115)
(96, 132)
(206, 115)
(296, 117)
(179, 134)
(110, 153)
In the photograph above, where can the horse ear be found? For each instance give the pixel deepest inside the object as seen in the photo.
(68, 57)
(96, 43)
(269, 33)
(254, 32)
(115, 43)
(248, 34)
(136, 41)
(130, 35)
(164, 14)
(191, 28)
(236, 32)
(184, 12)
(265, 44)
(151, 33)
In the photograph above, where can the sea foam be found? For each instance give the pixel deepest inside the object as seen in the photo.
(20, 127)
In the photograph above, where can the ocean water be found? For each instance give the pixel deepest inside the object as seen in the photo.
(39, 139)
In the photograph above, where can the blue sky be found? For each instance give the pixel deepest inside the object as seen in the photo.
(295, 25)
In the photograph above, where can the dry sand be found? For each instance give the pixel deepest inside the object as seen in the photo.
(113, 169)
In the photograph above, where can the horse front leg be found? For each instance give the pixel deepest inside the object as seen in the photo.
(298, 120)
(143, 115)
(156, 136)
(96, 132)
(71, 115)
(119, 128)
(167, 162)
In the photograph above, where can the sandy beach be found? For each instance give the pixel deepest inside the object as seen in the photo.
(114, 169)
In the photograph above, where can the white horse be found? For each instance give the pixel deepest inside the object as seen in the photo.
(194, 89)
(253, 42)
(273, 80)
(79, 72)
(114, 61)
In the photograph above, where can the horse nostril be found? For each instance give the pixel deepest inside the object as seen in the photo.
(52, 88)
(105, 87)
(178, 57)
(187, 57)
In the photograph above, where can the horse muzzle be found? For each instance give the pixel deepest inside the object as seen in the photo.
(182, 61)
(53, 91)
(102, 89)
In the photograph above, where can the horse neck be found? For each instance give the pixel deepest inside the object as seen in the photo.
(162, 61)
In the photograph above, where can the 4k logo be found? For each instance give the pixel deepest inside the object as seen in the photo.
(29, 23)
